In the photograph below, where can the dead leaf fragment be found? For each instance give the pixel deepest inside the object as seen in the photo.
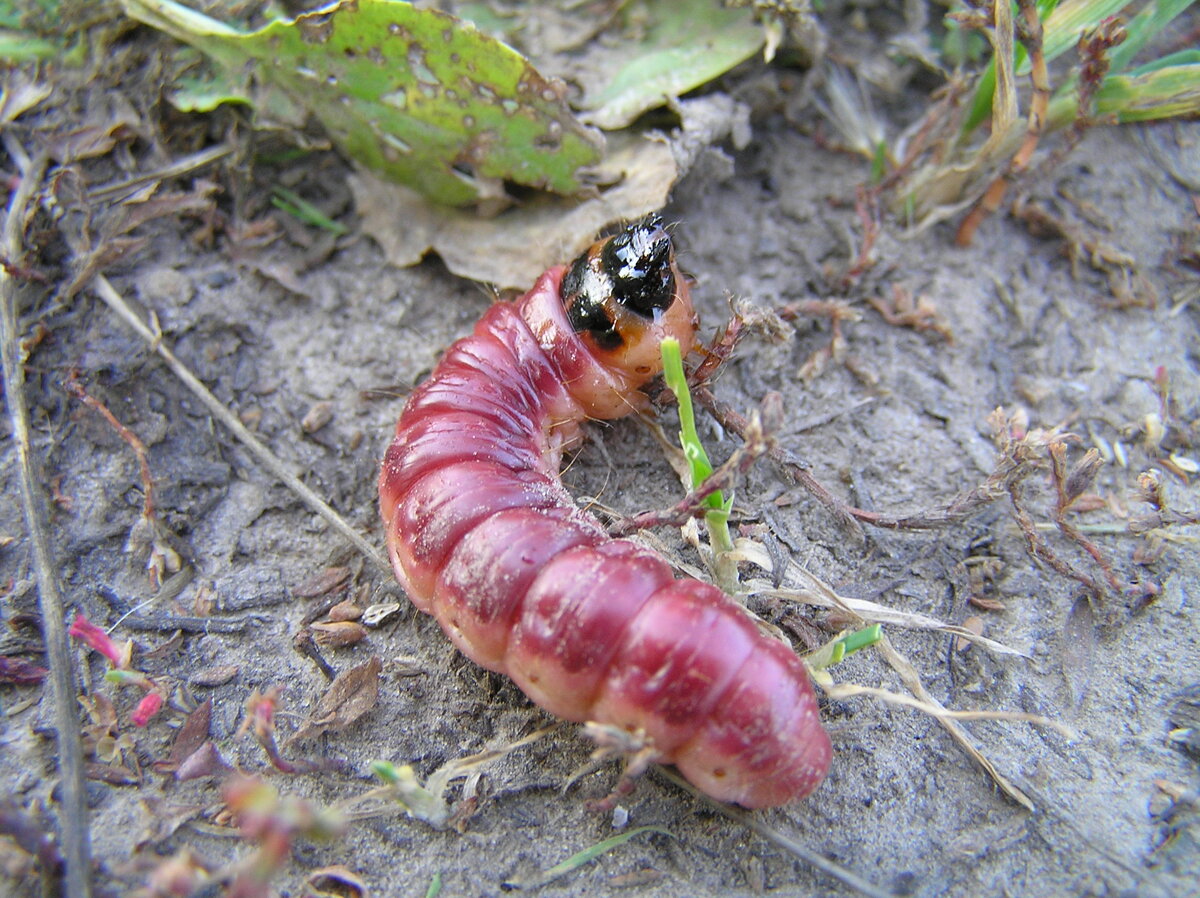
(329, 580)
(512, 249)
(20, 95)
(344, 611)
(214, 676)
(204, 761)
(190, 737)
(348, 698)
(336, 881)
(19, 672)
(338, 634)
(318, 415)
(974, 624)
(380, 613)
(113, 774)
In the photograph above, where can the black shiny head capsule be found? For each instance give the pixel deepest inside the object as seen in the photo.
(629, 272)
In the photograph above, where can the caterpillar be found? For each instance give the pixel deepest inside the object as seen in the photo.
(484, 537)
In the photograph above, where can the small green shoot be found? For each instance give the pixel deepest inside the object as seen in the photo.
(717, 520)
(577, 860)
(836, 650)
(17, 48)
(298, 207)
(435, 886)
(404, 787)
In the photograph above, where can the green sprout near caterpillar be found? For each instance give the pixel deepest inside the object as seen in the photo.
(716, 519)
(836, 650)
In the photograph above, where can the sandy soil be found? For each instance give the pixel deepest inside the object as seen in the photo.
(897, 424)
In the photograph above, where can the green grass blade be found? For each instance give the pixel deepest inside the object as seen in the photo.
(716, 520)
(693, 449)
(576, 861)
(1143, 28)
(298, 207)
(1157, 94)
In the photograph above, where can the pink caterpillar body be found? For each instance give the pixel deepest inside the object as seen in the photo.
(484, 537)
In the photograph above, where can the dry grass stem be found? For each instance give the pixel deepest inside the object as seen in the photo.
(73, 811)
(912, 680)
(852, 690)
(772, 835)
(265, 456)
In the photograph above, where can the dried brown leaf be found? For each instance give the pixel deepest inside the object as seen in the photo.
(338, 634)
(318, 415)
(20, 673)
(130, 215)
(987, 604)
(512, 249)
(20, 94)
(204, 761)
(163, 820)
(87, 142)
(166, 649)
(113, 774)
(329, 580)
(349, 697)
(338, 881)
(214, 676)
(974, 624)
(344, 611)
(190, 737)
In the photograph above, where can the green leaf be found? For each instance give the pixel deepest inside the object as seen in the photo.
(1160, 93)
(668, 48)
(414, 95)
(698, 461)
(435, 886)
(17, 47)
(1182, 57)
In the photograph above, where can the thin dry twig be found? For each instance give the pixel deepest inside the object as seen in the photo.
(76, 389)
(162, 558)
(803, 853)
(183, 166)
(1010, 470)
(723, 477)
(735, 421)
(265, 456)
(73, 816)
(1038, 548)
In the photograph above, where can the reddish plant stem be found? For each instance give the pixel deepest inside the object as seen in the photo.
(723, 477)
(75, 388)
(734, 421)
(1039, 549)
